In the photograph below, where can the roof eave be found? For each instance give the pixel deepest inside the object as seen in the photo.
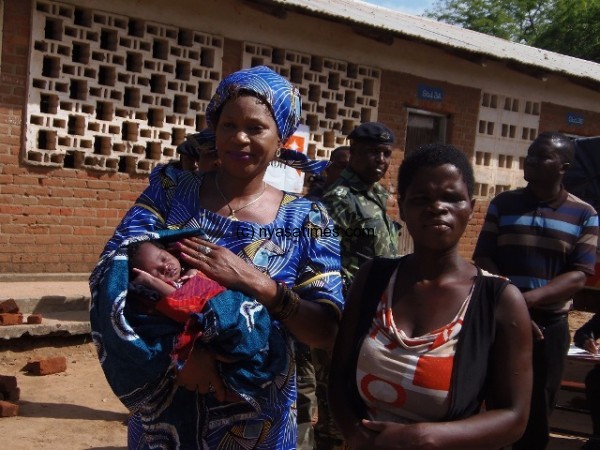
(279, 8)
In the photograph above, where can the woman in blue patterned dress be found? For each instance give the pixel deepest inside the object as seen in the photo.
(276, 247)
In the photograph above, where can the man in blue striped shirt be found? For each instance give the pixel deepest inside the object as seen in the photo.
(544, 240)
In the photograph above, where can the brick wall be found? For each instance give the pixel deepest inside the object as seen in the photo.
(51, 220)
(469, 239)
(60, 202)
(56, 219)
(554, 118)
(460, 106)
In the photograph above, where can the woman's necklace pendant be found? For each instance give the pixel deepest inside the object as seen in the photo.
(232, 211)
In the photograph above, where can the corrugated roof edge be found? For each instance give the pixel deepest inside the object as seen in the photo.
(439, 33)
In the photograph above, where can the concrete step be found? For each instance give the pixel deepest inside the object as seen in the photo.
(63, 303)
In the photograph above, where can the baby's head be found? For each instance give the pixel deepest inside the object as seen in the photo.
(152, 257)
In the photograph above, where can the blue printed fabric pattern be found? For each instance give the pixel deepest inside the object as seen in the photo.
(298, 248)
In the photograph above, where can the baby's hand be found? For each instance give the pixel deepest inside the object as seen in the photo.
(191, 273)
(143, 278)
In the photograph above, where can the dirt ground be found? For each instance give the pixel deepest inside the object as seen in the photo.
(76, 410)
(73, 410)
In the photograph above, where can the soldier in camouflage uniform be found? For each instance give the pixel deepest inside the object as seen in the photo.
(357, 203)
(306, 386)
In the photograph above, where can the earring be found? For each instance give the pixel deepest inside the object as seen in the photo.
(278, 153)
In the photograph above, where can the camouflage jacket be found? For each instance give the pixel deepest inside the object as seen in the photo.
(363, 226)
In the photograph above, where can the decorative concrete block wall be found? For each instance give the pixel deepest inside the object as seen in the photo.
(506, 127)
(336, 95)
(114, 93)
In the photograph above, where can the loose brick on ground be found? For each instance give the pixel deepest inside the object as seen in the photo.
(13, 396)
(9, 390)
(34, 319)
(11, 318)
(9, 306)
(7, 382)
(47, 366)
(8, 409)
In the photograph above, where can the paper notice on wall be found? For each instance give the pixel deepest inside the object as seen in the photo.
(286, 178)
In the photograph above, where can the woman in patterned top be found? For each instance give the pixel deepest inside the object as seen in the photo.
(276, 247)
(420, 355)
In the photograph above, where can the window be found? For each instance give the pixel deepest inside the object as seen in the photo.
(424, 128)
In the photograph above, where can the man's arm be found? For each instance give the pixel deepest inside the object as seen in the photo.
(342, 211)
(561, 288)
(585, 337)
(581, 263)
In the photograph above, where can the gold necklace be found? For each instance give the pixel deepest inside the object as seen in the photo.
(232, 211)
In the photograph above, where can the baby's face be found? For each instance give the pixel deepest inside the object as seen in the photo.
(157, 262)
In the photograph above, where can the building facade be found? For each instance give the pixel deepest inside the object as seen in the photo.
(95, 94)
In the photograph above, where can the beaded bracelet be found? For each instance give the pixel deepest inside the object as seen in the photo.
(287, 304)
(279, 294)
(291, 303)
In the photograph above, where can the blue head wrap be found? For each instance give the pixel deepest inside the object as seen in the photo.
(281, 96)
(283, 100)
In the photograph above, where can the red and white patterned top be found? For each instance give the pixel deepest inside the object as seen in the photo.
(404, 379)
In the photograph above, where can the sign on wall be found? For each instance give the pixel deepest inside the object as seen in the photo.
(435, 94)
(574, 119)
